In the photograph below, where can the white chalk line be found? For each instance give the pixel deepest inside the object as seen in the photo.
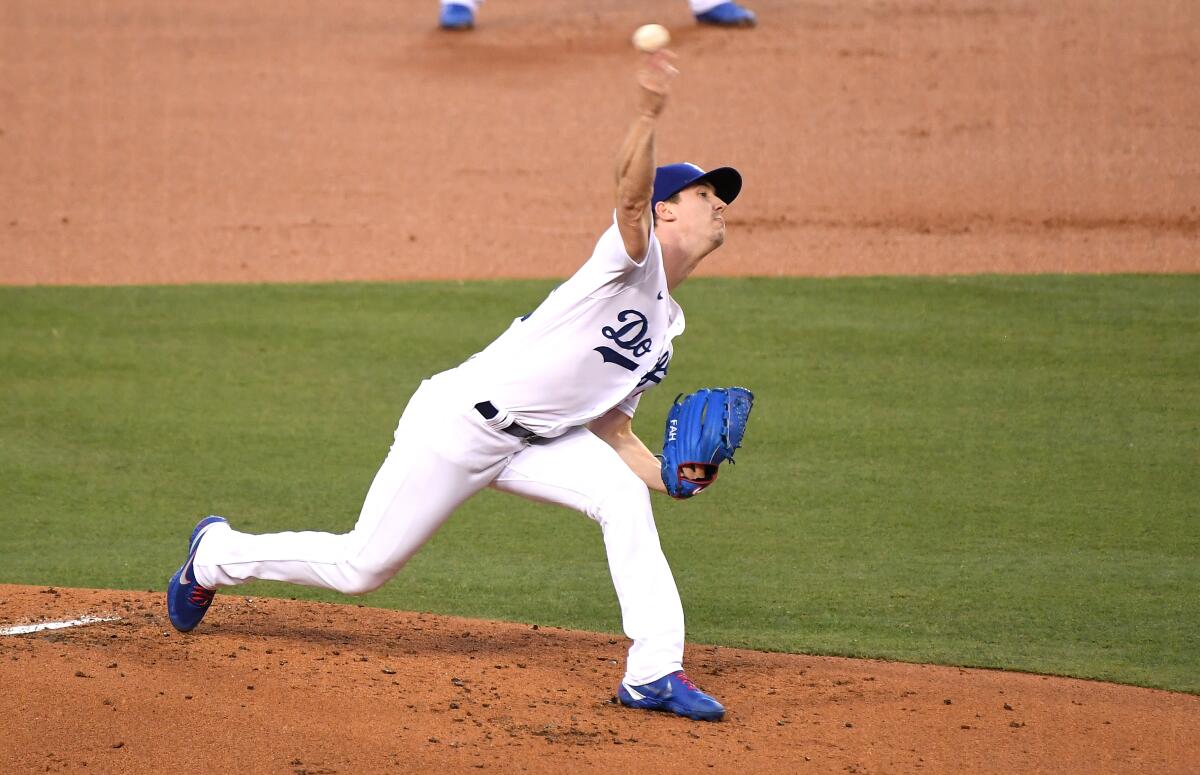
(25, 629)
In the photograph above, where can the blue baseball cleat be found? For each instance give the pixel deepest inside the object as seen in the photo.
(674, 693)
(187, 601)
(728, 15)
(456, 17)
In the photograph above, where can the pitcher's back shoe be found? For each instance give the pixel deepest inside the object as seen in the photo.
(674, 693)
(455, 16)
(728, 15)
(187, 601)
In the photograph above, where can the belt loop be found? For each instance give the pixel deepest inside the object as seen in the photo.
(505, 424)
(495, 419)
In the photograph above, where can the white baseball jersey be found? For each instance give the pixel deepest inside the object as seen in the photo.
(595, 343)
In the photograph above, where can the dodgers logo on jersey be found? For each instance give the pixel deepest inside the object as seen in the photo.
(659, 371)
(630, 337)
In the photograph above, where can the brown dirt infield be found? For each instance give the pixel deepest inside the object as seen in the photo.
(284, 686)
(159, 141)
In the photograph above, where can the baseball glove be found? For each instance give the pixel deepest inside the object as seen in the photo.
(703, 430)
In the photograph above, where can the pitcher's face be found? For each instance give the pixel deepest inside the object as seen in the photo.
(702, 213)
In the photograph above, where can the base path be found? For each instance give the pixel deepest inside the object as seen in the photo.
(266, 686)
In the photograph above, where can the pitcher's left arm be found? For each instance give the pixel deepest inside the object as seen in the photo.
(616, 429)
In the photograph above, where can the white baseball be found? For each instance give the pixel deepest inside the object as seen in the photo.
(651, 37)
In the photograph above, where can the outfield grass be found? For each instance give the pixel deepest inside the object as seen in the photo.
(989, 471)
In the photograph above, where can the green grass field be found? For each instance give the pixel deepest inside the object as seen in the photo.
(987, 471)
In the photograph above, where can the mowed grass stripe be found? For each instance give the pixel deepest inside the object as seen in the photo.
(994, 471)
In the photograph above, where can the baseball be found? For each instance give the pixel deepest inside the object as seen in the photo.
(651, 37)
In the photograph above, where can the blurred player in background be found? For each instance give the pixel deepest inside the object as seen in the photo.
(460, 14)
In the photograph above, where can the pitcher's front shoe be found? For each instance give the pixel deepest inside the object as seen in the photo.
(187, 601)
(674, 693)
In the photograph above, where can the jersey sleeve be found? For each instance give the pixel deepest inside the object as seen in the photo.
(610, 270)
(629, 405)
(611, 249)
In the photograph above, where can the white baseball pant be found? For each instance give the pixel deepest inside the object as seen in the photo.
(441, 457)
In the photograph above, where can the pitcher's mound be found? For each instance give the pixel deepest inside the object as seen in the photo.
(283, 686)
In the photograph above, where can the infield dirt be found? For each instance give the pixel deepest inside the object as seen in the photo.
(158, 141)
(286, 686)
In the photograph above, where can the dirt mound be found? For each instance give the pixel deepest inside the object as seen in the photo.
(283, 686)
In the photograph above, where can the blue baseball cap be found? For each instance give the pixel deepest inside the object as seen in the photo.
(670, 179)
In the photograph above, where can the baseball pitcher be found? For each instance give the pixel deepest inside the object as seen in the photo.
(545, 412)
